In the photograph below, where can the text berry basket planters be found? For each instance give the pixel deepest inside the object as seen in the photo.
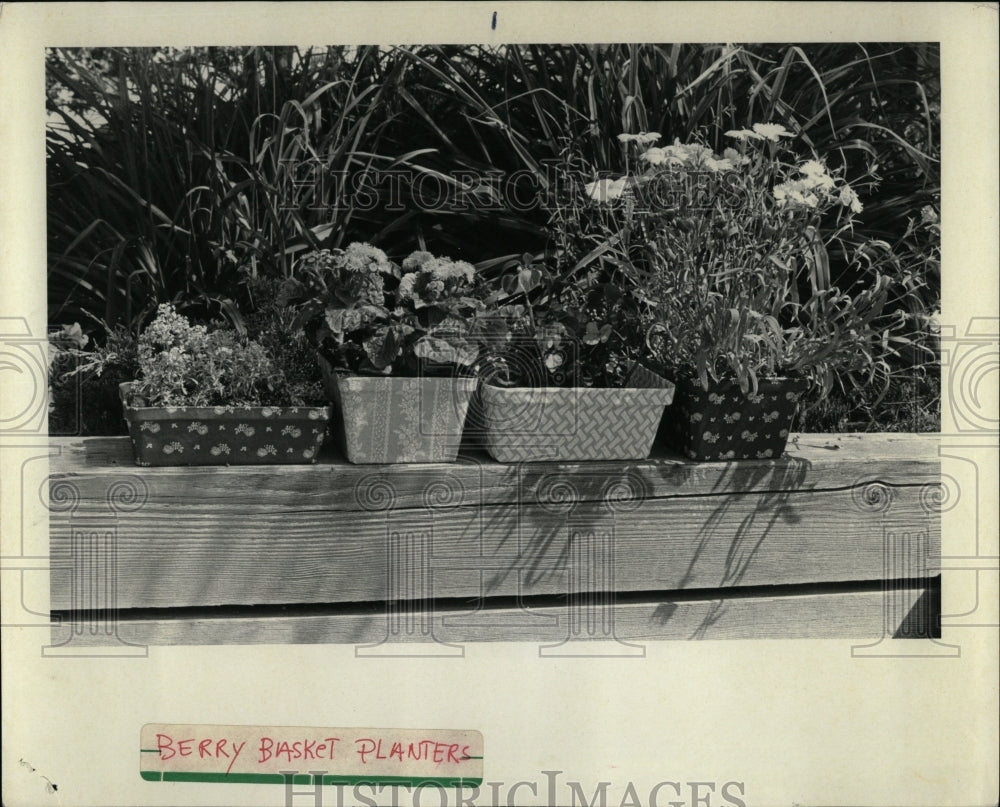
(526, 424)
(385, 419)
(724, 423)
(224, 435)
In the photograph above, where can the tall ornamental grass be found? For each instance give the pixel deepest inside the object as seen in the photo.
(192, 176)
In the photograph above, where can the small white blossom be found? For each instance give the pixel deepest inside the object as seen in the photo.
(743, 134)
(849, 198)
(771, 131)
(641, 139)
(605, 190)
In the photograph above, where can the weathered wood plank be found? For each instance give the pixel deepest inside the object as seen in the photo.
(855, 615)
(178, 554)
(814, 462)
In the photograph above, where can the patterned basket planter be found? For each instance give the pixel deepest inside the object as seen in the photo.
(527, 424)
(723, 423)
(224, 435)
(384, 419)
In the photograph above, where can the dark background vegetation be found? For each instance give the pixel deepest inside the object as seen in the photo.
(177, 175)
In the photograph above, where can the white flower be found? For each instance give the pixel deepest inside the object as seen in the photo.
(816, 176)
(690, 155)
(641, 139)
(771, 131)
(654, 156)
(812, 168)
(743, 134)
(796, 191)
(605, 190)
(405, 291)
(712, 164)
(735, 157)
(849, 198)
(821, 182)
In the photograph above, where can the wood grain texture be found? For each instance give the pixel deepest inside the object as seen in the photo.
(813, 462)
(185, 558)
(334, 532)
(861, 615)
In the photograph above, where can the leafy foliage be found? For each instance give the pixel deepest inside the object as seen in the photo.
(367, 315)
(180, 364)
(545, 330)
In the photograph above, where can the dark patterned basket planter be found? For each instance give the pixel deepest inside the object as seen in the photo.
(384, 419)
(722, 423)
(527, 424)
(224, 435)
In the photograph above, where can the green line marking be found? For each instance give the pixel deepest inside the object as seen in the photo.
(471, 757)
(149, 750)
(309, 779)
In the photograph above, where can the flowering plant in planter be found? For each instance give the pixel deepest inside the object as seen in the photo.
(729, 252)
(208, 396)
(394, 342)
(368, 316)
(556, 365)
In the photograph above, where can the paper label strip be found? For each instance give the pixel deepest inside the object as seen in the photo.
(172, 752)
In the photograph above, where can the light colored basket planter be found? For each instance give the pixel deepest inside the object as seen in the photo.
(224, 435)
(385, 419)
(529, 424)
(723, 423)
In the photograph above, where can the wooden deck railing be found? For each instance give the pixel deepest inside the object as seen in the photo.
(840, 538)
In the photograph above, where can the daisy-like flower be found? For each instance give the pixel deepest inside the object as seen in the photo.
(743, 134)
(641, 139)
(605, 190)
(771, 131)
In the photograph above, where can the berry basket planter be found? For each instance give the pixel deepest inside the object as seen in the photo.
(224, 435)
(526, 424)
(386, 419)
(724, 423)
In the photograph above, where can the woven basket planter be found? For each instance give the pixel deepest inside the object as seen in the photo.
(527, 424)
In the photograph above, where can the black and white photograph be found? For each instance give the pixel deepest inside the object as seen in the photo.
(548, 393)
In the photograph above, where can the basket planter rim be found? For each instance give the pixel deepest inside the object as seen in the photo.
(762, 381)
(666, 393)
(361, 379)
(349, 380)
(229, 411)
